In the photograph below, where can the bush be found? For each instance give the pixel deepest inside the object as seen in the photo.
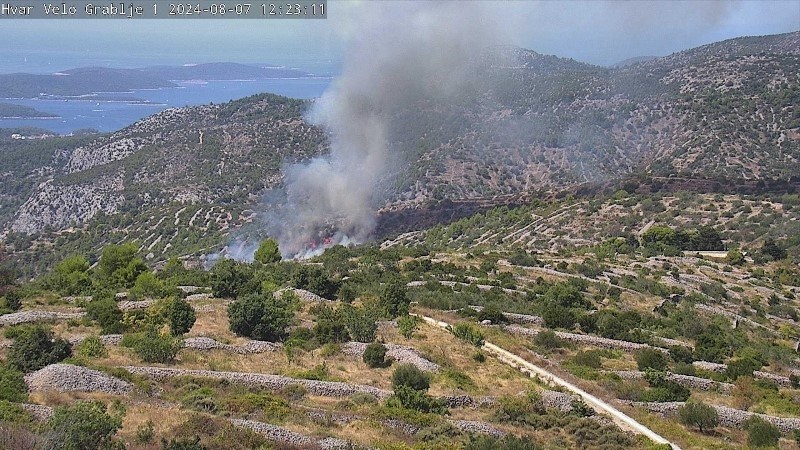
(761, 433)
(408, 325)
(590, 358)
(92, 347)
(359, 323)
(119, 266)
(35, 347)
(82, 426)
(742, 367)
(375, 355)
(147, 285)
(417, 400)
(410, 376)
(152, 347)
(649, 358)
(469, 333)
(12, 385)
(547, 339)
(558, 316)
(182, 444)
(12, 300)
(260, 317)
(180, 316)
(699, 415)
(107, 314)
(478, 442)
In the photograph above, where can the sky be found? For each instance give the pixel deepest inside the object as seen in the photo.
(598, 32)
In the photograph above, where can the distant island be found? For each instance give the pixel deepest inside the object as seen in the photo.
(91, 80)
(9, 111)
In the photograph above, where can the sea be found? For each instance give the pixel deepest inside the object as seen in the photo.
(108, 112)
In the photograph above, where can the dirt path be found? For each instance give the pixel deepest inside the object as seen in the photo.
(621, 419)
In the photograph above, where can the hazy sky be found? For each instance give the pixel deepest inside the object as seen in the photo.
(599, 32)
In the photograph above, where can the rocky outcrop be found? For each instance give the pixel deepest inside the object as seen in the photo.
(302, 294)
(282, 435)
(249, 348)
(37, 316)
(401, 354)
(69, 378)
(272, 382)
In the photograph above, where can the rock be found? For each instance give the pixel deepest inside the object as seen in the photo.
(401, 354)
(36, 316)
(69, 378)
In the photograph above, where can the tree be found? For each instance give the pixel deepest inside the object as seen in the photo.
(742, 367)
(774, 251)
(408, 325)
(35, 347)
(761, 433)
(260, 317)
(180, 316)
(698, 415)
(410, 376)
(71, 276)
(375, 355)
(394, 299)
(229, 278)
(119, 266)
(267, 252)
(649, 358)
(84, 425)
(147, 285)
(359, 323)
(558, 316)
(314, 279)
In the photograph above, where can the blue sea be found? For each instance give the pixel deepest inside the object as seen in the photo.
(105, 114)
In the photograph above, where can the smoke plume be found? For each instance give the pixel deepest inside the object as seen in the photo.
(402, 54)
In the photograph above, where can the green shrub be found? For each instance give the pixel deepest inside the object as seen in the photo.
(699, 415)
(11, 300)
(742, 367)
(469, 333)
(548, 340)
(151, 346)
(589, 358)
(230, 279)
(192, 443)
(408, 325)
(410, 376)
(295, 392)
(119, 266)
(650, 358)
(147, 286)
(761, 433)
(35, 347)
(479, 442)
(417, 400)
(12, 385)
(82, 426)
(360, 324)
(180, 316)
(92, 347)
(145, 433)
(261, 317)
(394, 299)
(375, 355)
(107, 314)
(12, 412)
(479, 357)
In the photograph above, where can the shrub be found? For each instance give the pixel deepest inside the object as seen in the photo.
(180, 316)
(479, 357)
(12, 412)
(417, 400)
(295, 392)
(742, 367)
(408, 325)
(410, 376)
(92, 347)
(12, 300)
(375, 355)
(12, 385)
(359, 323)
(145, 433)
(107, 314)
(478, 442)
(192, 443)
(152, 346)
(547, 339)
(82, 426)
(699, 415)
(588, 358)
(681, 354)
(119, 266)
(650, 358)
(147, 286)
(35, 347)
(761, 433)
(558, 316)
(261, 317)
(469, 333)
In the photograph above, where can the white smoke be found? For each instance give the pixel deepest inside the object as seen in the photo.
(403, 54)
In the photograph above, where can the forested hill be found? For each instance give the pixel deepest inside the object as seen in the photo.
(529, 122)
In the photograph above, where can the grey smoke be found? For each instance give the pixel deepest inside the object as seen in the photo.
(404, 53)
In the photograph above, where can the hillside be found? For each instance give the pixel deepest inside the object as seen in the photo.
(9, 111)
(528, 124)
